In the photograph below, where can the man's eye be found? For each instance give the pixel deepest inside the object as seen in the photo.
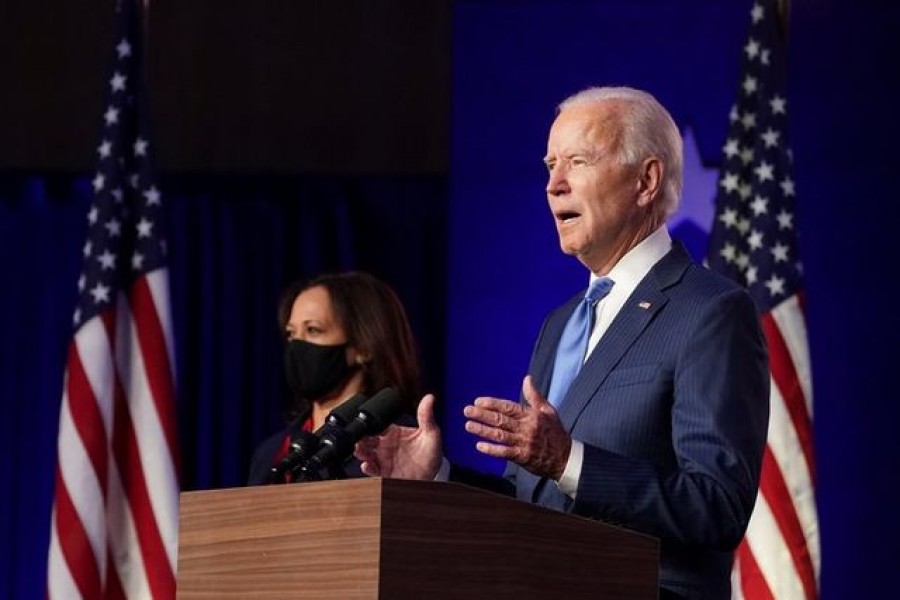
(550, 166)
(578, 161)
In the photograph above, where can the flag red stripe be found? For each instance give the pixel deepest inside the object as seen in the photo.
(775, 491)
(131, 470)
(86, 417)
(785, 375)
(114, 589)
(753, 583)
(74, 543)
(152, 341)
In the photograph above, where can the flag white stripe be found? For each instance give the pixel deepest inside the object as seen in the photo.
(772, 554)
(153, 448)
(791, 323)
(124, 544)
(93, 346)
(737, 593)
(788, 454)
(80, 478)
(158, 282)
(60, 584)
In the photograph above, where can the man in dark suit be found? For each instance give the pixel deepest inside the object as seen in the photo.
(659, 421)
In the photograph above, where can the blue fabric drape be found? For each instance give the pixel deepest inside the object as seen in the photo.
(234, 243)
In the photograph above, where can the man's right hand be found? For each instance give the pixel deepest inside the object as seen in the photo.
(404, 452)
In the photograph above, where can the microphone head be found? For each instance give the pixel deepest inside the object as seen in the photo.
(346, 410)
(380, 410)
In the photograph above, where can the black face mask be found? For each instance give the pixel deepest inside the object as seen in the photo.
(314, 370)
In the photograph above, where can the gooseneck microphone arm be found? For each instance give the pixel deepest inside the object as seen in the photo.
(336, 445)
(305, 444)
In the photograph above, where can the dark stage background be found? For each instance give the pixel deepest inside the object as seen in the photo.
(405, 138)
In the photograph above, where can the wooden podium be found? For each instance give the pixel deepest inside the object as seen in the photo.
(386, 538)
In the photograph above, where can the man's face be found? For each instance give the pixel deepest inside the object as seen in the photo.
(594, 199)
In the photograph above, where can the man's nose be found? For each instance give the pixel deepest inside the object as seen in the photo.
(556, 182)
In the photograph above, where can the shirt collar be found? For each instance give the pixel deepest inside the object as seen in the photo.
(635, 265)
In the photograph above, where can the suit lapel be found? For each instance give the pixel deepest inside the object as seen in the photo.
(638, 311)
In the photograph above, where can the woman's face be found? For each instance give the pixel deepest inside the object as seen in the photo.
(312, 319)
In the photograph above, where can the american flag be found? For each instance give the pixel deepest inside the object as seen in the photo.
(115, 512)
(754, 241)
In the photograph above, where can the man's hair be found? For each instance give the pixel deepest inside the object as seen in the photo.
(647, 130)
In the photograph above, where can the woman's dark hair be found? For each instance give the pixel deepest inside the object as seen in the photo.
(375, 323)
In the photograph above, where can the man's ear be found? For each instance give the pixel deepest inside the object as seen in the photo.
(649, 181)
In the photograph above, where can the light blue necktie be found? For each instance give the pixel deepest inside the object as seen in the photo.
(574, 341)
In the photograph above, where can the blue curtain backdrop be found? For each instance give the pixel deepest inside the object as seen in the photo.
(234, 243)
(475, 258)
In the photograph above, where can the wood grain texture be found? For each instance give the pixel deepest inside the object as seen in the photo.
(374, 538)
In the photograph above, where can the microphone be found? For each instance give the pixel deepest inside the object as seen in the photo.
(373, 417)
(305, 444)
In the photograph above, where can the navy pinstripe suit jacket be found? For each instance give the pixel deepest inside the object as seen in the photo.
(672, 406)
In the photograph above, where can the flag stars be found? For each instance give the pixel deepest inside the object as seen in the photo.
(757, 13)
(730, 182)
(140, 147)
(98, 183)
(745, 191)
(76, 316)
(742, 260)
(755, 240)
(117, 194)
(729, 217)
(733, 114)
(743, 225)
(748, 120)
(137, 261)
(92, 215)
(100, 293)
(764, 56)
(731, 148)
(752, 49)
(779, 105)
(780, 252)
(764, 172)
(81, 283)
(152, 196)
(123, 49)
(747, 155)
(113, 227)
(144, 227)
(787, 186)
(104, 149)
(750, 85)
(760, 205)
(107, 260)
(111, 116)
(770, 138)
(751, 274)
(728, 252)
(785, 219)
(775, 285)
(86, 250)
(117, 83)
(134, 180)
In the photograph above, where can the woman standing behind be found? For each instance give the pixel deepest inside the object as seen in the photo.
(346, 334)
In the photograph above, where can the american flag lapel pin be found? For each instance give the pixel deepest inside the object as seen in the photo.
(645, 305)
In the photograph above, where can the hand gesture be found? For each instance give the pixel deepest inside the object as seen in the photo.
(530, 434)
(404, 452)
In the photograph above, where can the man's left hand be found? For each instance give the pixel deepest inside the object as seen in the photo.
(530, 434)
